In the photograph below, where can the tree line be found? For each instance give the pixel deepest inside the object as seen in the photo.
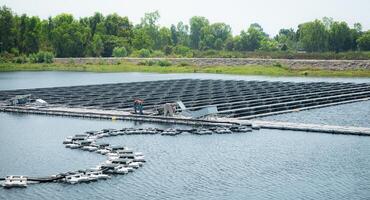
(114, 35)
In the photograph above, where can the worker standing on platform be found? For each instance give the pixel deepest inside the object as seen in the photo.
(138, 106)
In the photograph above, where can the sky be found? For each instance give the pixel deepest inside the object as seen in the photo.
(272, 15)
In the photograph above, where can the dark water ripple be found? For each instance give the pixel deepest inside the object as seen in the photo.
(264, 164)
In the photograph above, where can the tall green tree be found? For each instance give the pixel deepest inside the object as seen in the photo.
(364, 41)
(69, 37)
(196, 25)
(313, 36)
(183, 34)
(340, 37)
(164, 37)
(251, 40)
(150, 27)
(97, 46)
(142, 39)
(215, 36)
(32, 35)
(7, 36)
(174, 35)
(287, 38)
(356, 33)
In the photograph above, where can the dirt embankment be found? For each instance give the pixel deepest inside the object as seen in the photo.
(291, 63)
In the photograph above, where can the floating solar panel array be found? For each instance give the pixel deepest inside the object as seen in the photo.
(233, 98)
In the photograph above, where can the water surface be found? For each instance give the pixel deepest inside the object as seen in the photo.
(266, 164)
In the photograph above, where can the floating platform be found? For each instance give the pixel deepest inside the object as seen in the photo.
(319, 128)
(238, 102)
(234, 99)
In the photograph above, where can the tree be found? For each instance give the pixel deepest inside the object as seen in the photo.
(115, 25)
(164, 37)
(287, 39)
(313, 36)
(7, 37)
(97, 45)
(69, 38)
(174, 35)
(95, 21)
(215, 35)
(183, 34)
(251, 40)
(356, 33)
(150, 28)
(110, 42)
(340, 38)
(196, 26)
(269, 45)
(32, 35)
(364, 41)
(142, 39)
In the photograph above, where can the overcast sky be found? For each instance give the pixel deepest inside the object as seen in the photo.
(271, 14)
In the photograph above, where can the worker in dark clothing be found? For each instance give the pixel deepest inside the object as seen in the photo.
(138, 106)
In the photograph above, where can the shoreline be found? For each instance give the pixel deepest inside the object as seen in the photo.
(265, 70)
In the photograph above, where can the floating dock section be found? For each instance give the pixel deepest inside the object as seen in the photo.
(234, 99)
(319, 128)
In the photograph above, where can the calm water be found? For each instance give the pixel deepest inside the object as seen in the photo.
(265, 164)
(354, 114)
(22, 80)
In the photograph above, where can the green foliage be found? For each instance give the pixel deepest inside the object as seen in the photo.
(7, 33)
(70, 37)
(147, 63)
(183, 64)
(182, 51)
(119, 52)
(99, 35)
(142, 53)
(313, 36)
(251, 40)
(364, 41)
(269, 45)
(197, 24)
(21, 59)
(340, 38)
(41, 57)
(164, 63)
(157, 54)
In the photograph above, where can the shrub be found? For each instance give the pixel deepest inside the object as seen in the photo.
(164, 63)
(144, 53)
(21, 59)
(168, 50)
(146, 63)
(183, 64)
(182, 51)
(277, 64)
(6, 57)
(157, 54)
(41, 57)
(119, 52)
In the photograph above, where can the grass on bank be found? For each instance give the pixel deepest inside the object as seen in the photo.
(235, 70)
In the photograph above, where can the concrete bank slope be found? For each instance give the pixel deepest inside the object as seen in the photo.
(291, 63)
(120, 115)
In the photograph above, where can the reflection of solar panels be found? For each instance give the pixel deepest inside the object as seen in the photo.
(233, 98)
